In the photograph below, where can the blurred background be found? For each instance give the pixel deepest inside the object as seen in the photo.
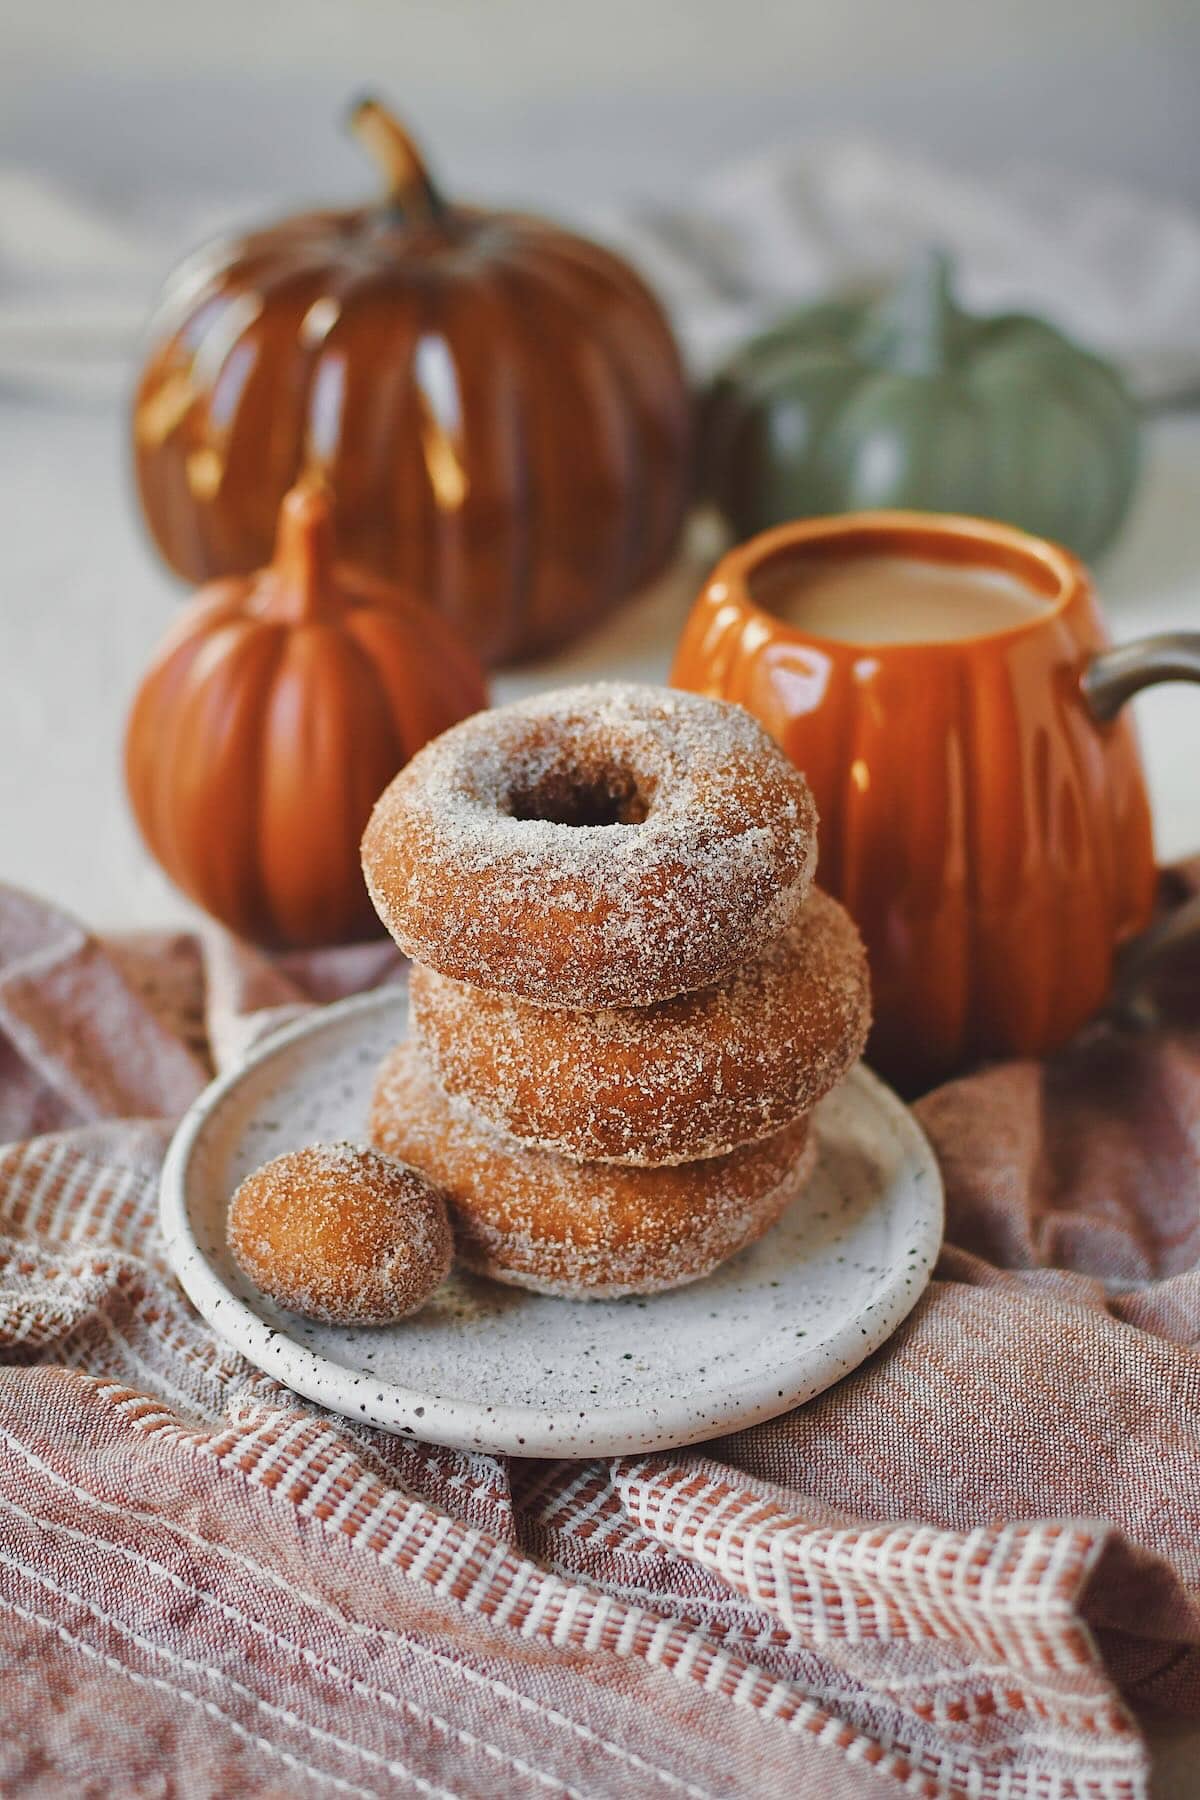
(1046, 137)
(572, 104)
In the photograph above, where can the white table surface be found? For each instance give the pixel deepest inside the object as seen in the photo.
(83, 601)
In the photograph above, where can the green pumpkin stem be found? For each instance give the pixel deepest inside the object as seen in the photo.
(910, 329)
(410, 189)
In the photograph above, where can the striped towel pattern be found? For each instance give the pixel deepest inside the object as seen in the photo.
(969, 1569)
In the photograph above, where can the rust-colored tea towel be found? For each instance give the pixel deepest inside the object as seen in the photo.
(964, 1570)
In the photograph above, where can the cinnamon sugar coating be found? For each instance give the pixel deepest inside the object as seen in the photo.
(341, 1233)
(585, 1231)
(608, 845)
(692, 1077)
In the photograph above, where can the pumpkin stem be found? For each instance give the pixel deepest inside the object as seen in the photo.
(909, 331)
(411, 190)
(301, 589)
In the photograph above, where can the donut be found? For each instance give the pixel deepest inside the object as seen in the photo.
(610, 845)
(691, 1077)
(580, 1230)
(341, 1233)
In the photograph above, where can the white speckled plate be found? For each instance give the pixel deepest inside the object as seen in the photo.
(485, 1367)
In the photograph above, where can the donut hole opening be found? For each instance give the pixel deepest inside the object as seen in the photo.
(582, 798)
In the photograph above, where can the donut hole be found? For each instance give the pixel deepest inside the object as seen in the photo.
(581, 797)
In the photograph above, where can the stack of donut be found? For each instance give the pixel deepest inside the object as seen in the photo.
(626, 995)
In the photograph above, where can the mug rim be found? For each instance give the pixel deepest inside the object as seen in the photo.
(1062, 575)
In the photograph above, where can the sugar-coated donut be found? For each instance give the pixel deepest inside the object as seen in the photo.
(581, 1230)
(342, 1233)
(610, 845)
(691, 1077)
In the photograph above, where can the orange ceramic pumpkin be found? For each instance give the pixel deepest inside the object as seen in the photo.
(275, 713)
(987, 829)
(497, 406)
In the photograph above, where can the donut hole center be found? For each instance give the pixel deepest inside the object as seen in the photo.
(582, 798)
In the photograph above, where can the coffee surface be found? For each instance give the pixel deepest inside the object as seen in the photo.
(892, 599)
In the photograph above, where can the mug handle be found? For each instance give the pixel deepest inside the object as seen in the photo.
(1111, 678)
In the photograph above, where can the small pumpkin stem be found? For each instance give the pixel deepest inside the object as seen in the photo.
(411, 189)
(302, 566)
(910, 329)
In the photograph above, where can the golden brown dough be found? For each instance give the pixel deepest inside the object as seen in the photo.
(610, 845)
(691, 1077)
(587, 1231)
(342, 1233)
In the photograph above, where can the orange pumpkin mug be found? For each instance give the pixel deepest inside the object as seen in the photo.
(983, 809)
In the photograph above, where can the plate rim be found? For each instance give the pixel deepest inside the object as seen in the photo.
(505, 1428)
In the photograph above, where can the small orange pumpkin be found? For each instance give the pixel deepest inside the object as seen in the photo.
(276, 711)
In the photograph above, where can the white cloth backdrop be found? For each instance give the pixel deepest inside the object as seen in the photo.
(1115, 266)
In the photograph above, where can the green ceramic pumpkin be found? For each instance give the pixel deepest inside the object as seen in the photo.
(903, 400)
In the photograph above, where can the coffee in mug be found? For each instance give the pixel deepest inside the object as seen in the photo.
(876, 599)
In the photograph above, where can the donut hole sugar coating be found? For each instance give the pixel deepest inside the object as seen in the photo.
(583, 1231)
(341, 1233)
(691, 1077)
(611, 845)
